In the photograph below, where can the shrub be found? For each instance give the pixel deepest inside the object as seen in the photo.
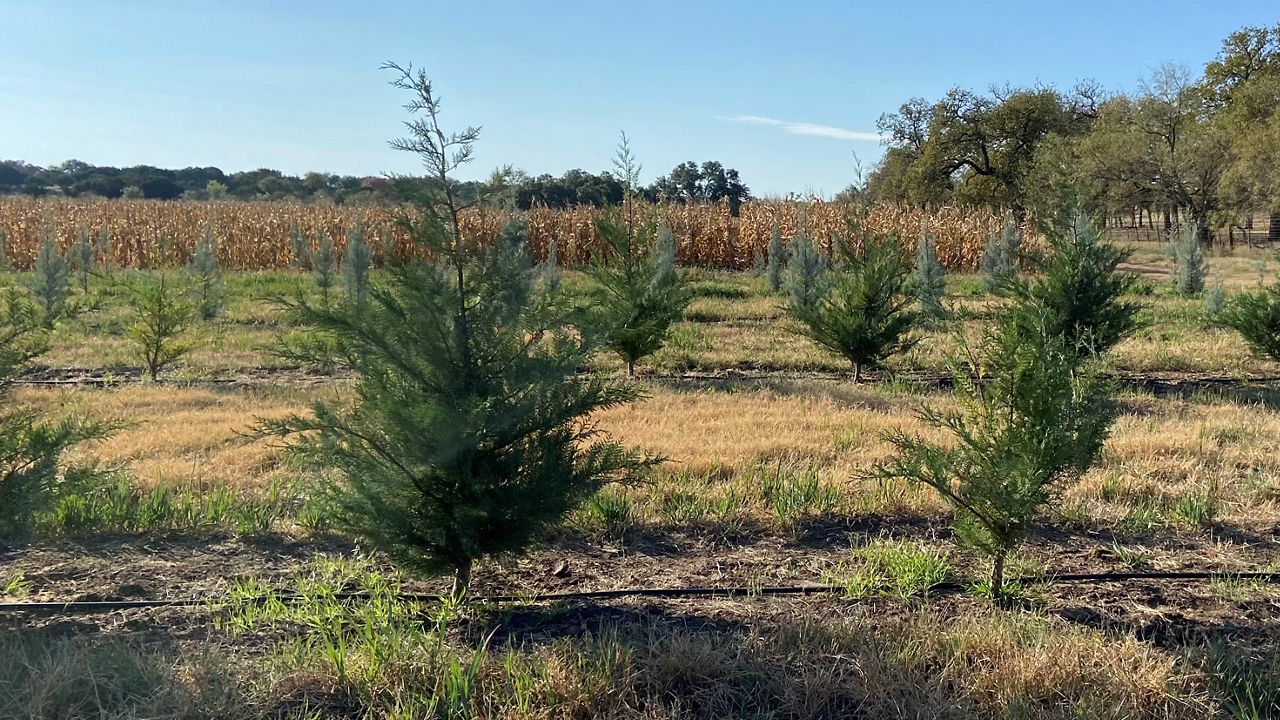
(640, 296)
(930, 282)
(161, 317)
(206, 277)
(1034, 420)
(865, 315)
(1256, 316)
(467, 433)
(1188, 260)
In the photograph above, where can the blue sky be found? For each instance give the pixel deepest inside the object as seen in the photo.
(785, 92)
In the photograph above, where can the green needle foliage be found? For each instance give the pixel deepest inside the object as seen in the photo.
(300, 248)
(49, 281)
(550, 269)
(865, 315)
(356, 260)
(930, 278)
(639, 295)
(467, 433)
(324, 266)
(81, 257)
(206, 277)
(5, 263)
(1034, 421)
(1215, 300)
(806, 278)
(999, 261)
(1256, 316)
(1188, 260)
(776, 261)
(102, 249)
(1079, 293)
(30, 448)
(162, 315)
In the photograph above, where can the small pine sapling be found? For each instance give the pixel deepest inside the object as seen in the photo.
(1256, 316)
(639, 295)
(205, 276)
(81, 257)
(50, 279)
(1215, 300)
(162, 315)
(356, 260)
(6, 264)
(324, 266)
(1033, 421)
(865, 315)
(929, 279)
(102, 251)
(999, 261)
(1188, 260)
(550, 269)
(776, 261)
(300, 248)
(806, 279)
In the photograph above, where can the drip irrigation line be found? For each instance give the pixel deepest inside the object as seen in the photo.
(949, 587)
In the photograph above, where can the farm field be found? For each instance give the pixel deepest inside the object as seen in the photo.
(769, 445)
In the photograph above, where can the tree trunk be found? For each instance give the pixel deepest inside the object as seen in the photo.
(857, 373)
(631, 368)
(1273, 227)
(997, 579)
(461, 581)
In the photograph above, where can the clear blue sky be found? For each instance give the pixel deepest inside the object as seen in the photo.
(296, 85)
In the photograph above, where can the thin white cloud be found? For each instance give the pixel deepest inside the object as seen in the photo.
(804, 128)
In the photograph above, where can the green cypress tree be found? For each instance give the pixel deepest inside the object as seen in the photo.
(639, 295)
(1188, 260)
(1215, 300)
(6, 264)
(102, 250)
(299, 247)
(324, 266)
(467, 433)
(81, 257)
(806, 279)
(777, 260)
(1256, 316)
(206, 277)
(162, 315)
(356, 260)
(999, 261)
(49, 281)
(551, 276)
(30, 448)
(865, 314)
(930, 281)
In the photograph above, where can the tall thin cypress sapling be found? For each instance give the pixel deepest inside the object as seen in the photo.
(81, 257)
(205, 276)
(324, 266)
(50, 278)
(356, 260)
(929, 279)
(1188, 260)
(777, 260)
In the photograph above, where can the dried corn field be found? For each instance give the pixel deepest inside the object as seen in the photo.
(256, 235)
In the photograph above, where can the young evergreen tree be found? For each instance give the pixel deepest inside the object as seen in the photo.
(639, 295)
(162, 315)
(1215, 300)
(776, 260)
(1079, 292)
(1256, 316)
(356, 260)
(102, 250)
(6, 264)
(30, 447)
(550, 271)
(1188, 260)
(205, 276)
(299, 247)
(81, 257)
(930, 280)
(1033, 421)
(467, 433)
(865, 314)
(806, 278)
(49, 281)
(999, 261)
(324, 266)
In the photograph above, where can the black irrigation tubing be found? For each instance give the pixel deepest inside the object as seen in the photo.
(950, 587)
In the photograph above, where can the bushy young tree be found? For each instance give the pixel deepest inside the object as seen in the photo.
(806, 278)
(929, 279)
(356, 260)
(299, 247)
(205, 276)
(1188, 260)
(324, 266)
(865, 314)
(49, 281)
(81, 257)
(1034, 420)
(639, 295)
(30, 448)
(1079, 292)
(1215, 300)
(999, 262)
(776, 260)
(162, 315)
(467, 433)
(1256, 316)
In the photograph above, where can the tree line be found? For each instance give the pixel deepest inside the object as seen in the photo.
(1201, 148)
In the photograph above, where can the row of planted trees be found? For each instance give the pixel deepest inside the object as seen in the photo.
(469, 429)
